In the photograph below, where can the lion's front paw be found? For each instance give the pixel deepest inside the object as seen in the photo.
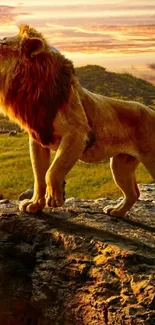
(55, 197)
(53, 200)
(115, 212)
(32, 206)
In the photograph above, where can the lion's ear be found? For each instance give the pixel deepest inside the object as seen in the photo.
(23, 29)
(32, 46)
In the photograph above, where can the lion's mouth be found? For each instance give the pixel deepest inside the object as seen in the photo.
(3, 48)
(3, 44)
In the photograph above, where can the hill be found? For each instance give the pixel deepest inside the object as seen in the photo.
(120, 85)
(98, 80)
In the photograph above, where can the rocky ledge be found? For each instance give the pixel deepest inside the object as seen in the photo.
(77, 265)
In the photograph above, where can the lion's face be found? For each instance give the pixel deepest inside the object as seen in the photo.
(27, 43)
(9, 47)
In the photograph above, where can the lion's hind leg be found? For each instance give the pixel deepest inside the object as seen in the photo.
(123, 168)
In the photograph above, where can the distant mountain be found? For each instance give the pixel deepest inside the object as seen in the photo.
(120, 85)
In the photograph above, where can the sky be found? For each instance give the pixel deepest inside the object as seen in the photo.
(116, 34)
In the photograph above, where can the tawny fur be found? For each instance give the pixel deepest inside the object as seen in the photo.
(38, 88)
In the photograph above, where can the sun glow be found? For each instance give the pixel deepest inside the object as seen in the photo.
(116, 35)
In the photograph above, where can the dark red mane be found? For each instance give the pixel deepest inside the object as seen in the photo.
(38, 88)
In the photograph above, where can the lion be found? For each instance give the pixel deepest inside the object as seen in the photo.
(39, 89)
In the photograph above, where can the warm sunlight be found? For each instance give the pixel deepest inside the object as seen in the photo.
(116, 35)
(77, 162)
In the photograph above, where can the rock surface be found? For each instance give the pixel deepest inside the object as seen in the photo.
(76, 265)
(26, 195)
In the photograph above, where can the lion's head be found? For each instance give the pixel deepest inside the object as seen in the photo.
(35, 81)
(27, 43)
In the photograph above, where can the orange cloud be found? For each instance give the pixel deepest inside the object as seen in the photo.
(106, 39)
(115, 34)
(7, 14)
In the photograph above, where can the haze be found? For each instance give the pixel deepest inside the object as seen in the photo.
(118, 35)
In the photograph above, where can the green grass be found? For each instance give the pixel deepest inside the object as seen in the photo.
(84, 180)
(15, 172)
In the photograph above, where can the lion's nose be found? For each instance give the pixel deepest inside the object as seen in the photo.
(4, 41)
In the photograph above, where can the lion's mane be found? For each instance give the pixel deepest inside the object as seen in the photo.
(37, 85)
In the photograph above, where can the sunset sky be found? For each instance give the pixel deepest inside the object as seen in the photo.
(116, 34)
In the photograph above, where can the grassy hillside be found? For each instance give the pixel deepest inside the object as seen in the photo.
(84, 180)
(97, 79)
(120, 85)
